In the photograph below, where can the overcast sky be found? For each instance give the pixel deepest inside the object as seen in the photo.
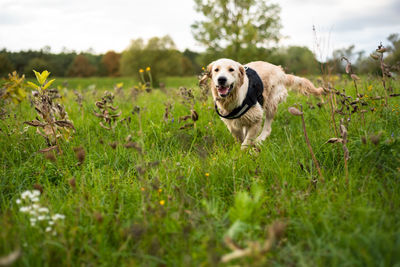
(104, 25)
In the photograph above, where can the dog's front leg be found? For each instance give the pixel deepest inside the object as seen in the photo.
(237, 133)
(251, 135)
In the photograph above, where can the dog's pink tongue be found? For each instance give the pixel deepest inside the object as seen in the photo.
(223, 90)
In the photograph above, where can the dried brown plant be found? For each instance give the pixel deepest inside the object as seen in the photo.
(107, 112)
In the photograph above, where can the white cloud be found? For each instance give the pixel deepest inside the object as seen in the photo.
(110, 25)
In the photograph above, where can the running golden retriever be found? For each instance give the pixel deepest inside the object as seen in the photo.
(230, 86)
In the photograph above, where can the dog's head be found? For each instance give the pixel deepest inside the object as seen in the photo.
(226, 76)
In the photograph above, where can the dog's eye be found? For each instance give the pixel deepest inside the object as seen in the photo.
(231, 69)
(216, 70)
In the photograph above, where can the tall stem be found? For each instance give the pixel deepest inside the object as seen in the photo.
(310, 148)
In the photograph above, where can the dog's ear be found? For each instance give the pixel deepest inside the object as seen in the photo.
(206, 75)
(242, 72)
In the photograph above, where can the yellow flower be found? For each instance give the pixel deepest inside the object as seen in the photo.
(162, 202)
(207, 174)
(203, 68)
(159, 190)
(142, 188)
(148, 69)
(214, 158)
(370, 88)
(141, 70)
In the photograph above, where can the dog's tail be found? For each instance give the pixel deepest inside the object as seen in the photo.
(302, 85)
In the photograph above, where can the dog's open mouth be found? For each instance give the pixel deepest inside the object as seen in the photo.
(224, 91)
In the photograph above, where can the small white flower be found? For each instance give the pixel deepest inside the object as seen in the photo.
(48, 229)
(33, 224)
(35, 206)
(36, 193)
(43, 210)
(33, 220)
(41, 217)
(25, 194)
(57, 216)
(51, 222)
(18, 201)
(35, 199)
(24, 209)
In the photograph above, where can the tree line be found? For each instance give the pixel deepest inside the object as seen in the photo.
(161, 54)
(244, 30)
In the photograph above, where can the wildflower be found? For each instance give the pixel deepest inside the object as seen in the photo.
(214, 158)
(18, 201)
(26, 194)
(51, 222)
(203, 68)
(159, 190)
(41, 218)
(207, 174)
(148, 69)
(43, 210)
(48, 229)
(57, 216)
(142, 188)
(141, 70)
(162, 202)
(24, 209)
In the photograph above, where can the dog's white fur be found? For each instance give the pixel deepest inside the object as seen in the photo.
(247, 129)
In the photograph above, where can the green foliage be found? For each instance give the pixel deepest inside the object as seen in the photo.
(5, 65)
(300, 60)
(159, 53)
(39, 64)
(247, 208)
(231, 26)
(14, 88)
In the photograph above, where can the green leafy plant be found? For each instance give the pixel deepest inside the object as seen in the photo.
(14, 88)
(52, 121)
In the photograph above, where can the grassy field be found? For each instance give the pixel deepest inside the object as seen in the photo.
(175, 197)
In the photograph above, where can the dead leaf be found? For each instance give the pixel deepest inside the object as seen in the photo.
(294, 111)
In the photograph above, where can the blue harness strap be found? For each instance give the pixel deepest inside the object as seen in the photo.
(254, 95)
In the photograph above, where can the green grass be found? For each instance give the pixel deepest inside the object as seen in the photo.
(209, 187)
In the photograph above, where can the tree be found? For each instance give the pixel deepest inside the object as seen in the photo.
(158, 53)
(81, 67)
(111, 63)
(37, 64)
(300, 60)
(394, 49)
(233, 25)
(6, 66)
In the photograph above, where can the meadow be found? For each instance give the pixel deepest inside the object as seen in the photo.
(170, 187)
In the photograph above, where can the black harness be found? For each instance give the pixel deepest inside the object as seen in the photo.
(254, 95)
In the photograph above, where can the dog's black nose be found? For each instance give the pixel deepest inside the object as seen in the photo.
(222, 80)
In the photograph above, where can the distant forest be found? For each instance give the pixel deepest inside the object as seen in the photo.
(161, 55)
